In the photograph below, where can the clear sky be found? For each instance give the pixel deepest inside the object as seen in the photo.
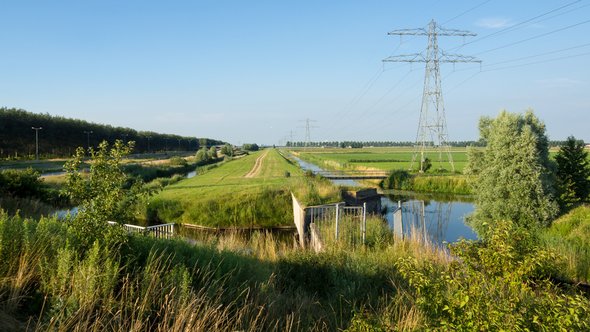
(253, 71)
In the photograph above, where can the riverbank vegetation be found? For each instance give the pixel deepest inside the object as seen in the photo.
(444, 184)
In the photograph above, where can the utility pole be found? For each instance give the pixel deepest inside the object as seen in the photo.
(88, 138)
(432, 126)
(36, 129)
(149, 138)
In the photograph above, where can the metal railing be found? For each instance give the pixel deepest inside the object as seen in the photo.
(163, 231)
(338, 223)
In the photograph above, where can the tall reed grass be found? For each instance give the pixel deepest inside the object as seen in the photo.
(236, 283)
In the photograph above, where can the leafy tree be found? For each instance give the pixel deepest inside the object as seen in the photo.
(100, 194)
(573, 172)
(251, 147)
(475, 158)
(514, 181)
(202, 155)
(213, 152)
(227, 150)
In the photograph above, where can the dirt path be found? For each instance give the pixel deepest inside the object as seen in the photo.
(257, 166)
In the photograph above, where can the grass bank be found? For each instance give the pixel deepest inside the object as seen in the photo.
(444, 184)
(570, 237)
(224, 195)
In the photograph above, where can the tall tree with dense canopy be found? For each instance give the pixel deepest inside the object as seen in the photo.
(514, 179)
(573, 172)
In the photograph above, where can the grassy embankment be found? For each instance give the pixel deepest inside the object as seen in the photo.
(223, 196)
(389, 159)
(570, 237)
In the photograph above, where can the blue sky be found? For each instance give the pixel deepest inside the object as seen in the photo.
(253, 71)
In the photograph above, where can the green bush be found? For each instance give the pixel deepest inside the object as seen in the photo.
(503, 283)
(397, 179)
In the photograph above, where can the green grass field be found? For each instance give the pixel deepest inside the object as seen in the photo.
(379, 158)
(223, 196)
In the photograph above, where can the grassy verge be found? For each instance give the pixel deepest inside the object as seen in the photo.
(449, 184)
(570, 237)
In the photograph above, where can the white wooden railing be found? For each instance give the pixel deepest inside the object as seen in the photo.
(163, 231)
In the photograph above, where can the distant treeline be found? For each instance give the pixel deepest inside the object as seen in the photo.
(60, 136)
(360, 144)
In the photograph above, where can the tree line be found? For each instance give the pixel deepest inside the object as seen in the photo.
(360, 144)
(60, 136)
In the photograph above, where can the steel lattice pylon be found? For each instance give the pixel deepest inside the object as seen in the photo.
(432, 126)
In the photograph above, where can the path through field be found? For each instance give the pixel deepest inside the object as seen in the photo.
(257, 166)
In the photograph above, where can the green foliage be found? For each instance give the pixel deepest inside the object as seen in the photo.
(402, 180)
(23, 190)
(251, 147)
(573, 172)
(227, 150)
(213, 152)
(178, 161)
(475, 161)
(204, 155)
(569, 236)
(502, 283)
(397, 179)
(101, 195)
(426, 165)
(514, 181)
(21, 183)
(60, 136)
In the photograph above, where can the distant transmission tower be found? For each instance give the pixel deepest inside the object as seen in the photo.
(432, 127)
(308, 127)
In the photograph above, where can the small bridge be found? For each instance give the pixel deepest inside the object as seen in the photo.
(353, 175)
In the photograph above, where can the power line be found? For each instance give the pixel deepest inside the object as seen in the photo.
(520, 24)
(465, 12)
(432, 128)
(535, 37)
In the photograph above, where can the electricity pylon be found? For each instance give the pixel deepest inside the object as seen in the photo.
(308, 127)
(432, 128)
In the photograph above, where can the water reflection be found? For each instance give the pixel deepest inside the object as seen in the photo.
(440, 219)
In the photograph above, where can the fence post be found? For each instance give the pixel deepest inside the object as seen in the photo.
(364, 225)
(337, 220)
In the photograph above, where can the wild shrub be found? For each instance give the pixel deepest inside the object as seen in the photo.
(177, 161)
(503, 283)
(397, 179)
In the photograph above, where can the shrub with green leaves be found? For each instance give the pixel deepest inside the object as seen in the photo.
(502, 283)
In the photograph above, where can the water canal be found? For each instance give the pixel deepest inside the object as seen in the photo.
(444, 215)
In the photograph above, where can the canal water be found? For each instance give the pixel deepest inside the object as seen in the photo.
(440, 218)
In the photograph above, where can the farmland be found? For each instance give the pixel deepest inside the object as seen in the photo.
(378, 158)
